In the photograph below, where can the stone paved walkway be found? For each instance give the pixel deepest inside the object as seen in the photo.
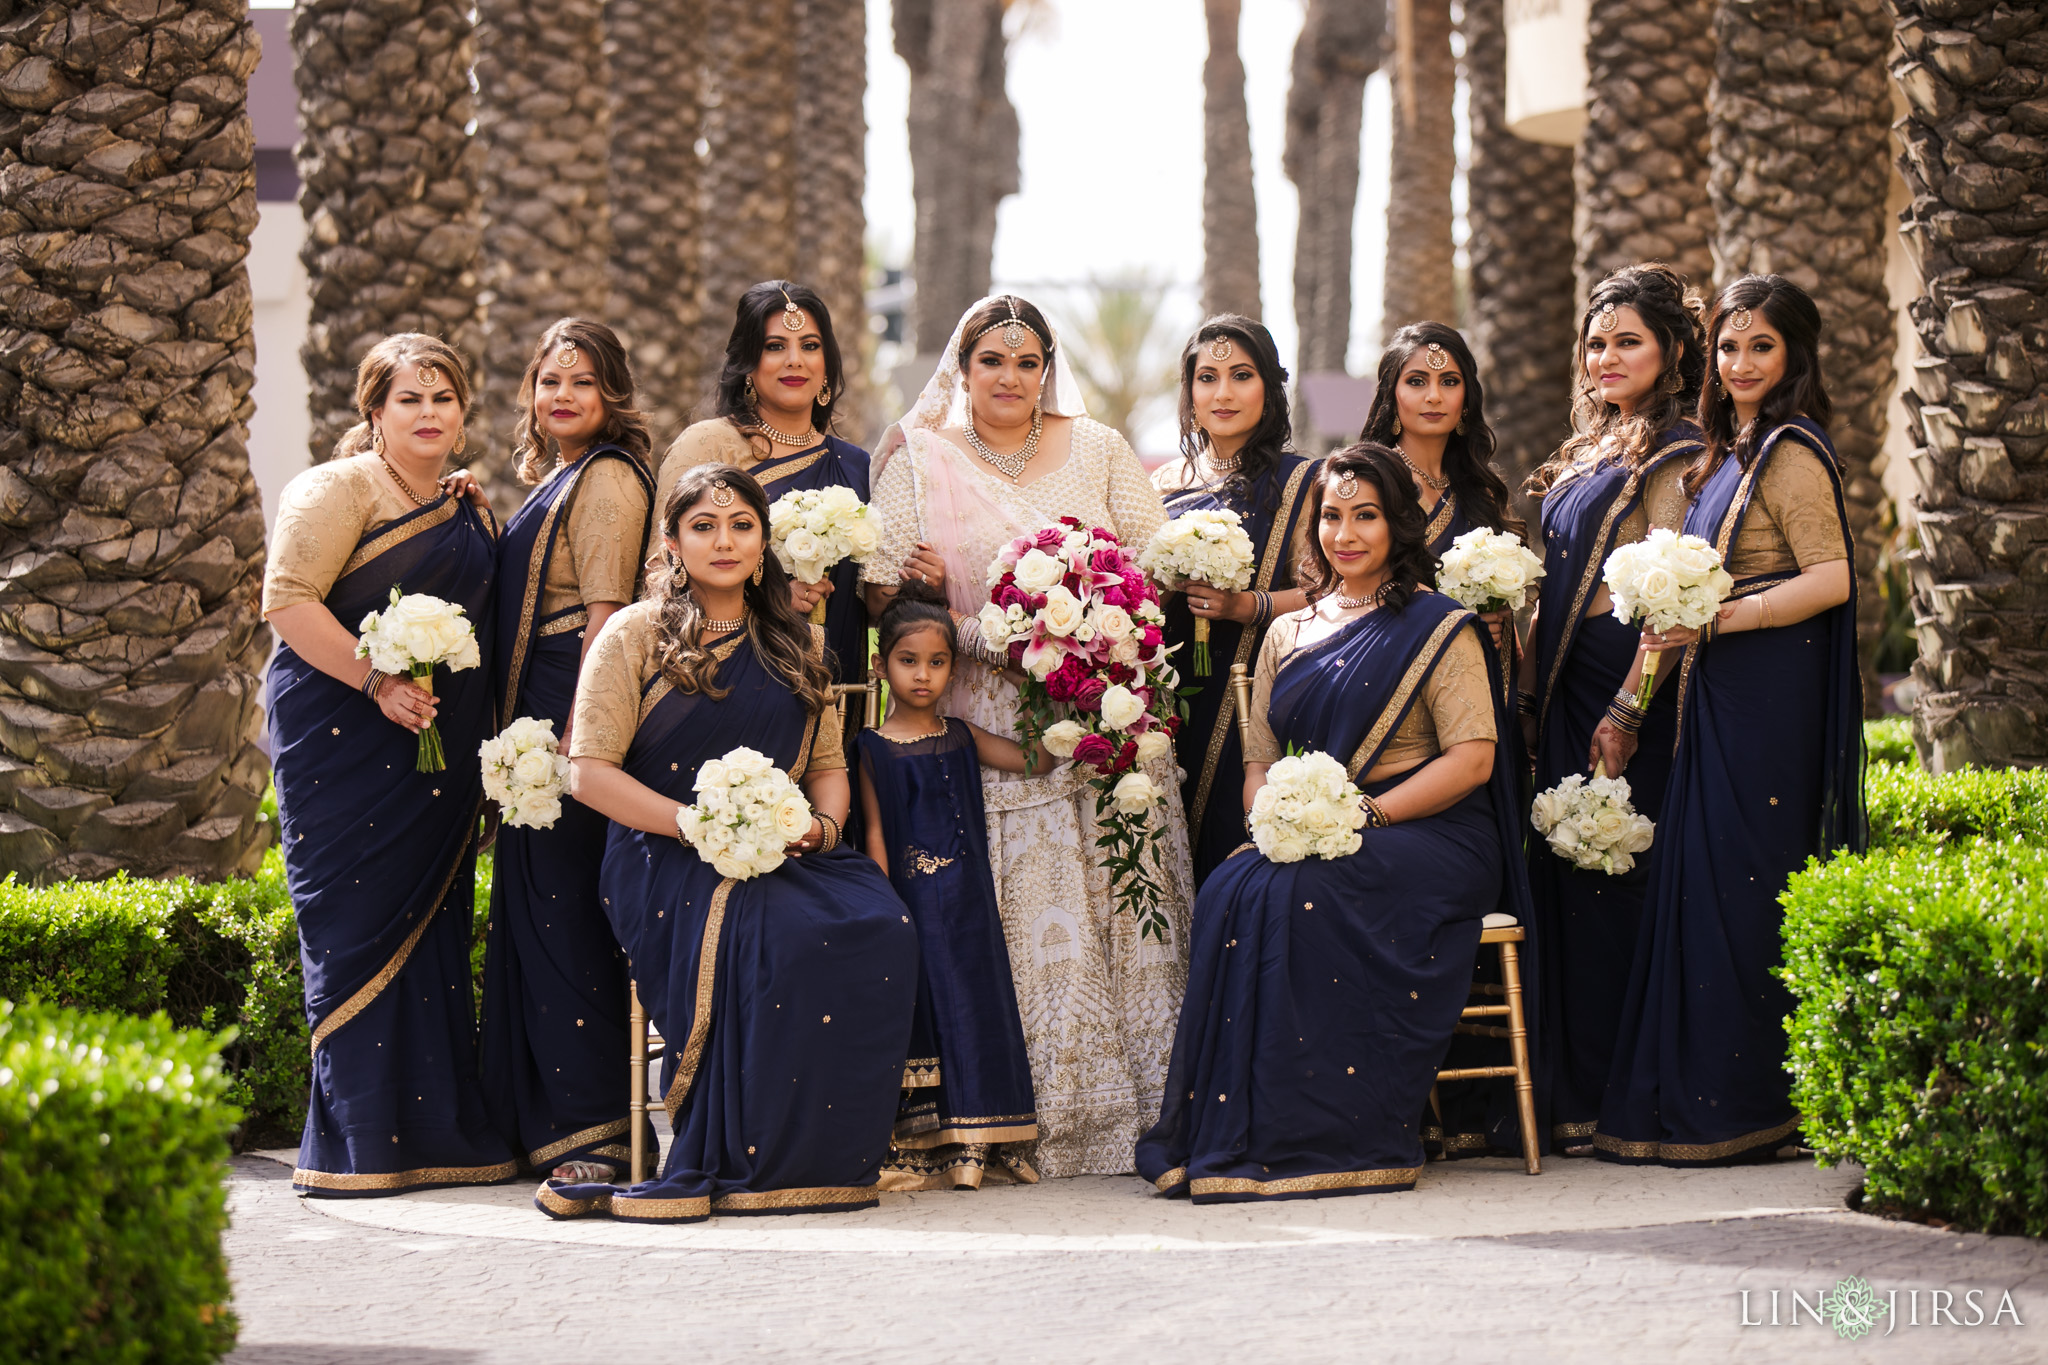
(1586, 1263)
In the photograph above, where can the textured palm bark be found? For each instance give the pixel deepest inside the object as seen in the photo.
(831, 156)
(963, 152)
(1798, 177)
(1230, 214)
(132, 530)
(544, 123)
(654, 51)
(1520, 210)
(1642, 167)
(388, 187)
(1420, 272)
(1975, 157)
(1338, 48)
(751, 171)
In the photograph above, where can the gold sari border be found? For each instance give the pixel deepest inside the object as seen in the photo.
(562, 625)
(1397, 705)
(536, 569)
(398, 535)
(1695, 1151)
(700, 1018)
(405, 1180)
(957, 1132)
(1304, 1184)
(1572, 1130)
(797, 465)
(374, 987)
(790, 1201)
(541, 1156)
(920, 1072)
(1172, 1180)
(658, 1210)
(1440, 520)
(555, 1206)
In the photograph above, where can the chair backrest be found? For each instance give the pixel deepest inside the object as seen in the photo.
(871, 707)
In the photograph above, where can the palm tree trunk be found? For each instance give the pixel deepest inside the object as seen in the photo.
(388, 187)
(1978, 409)
(1800, 132)
(963, 152)
(1421, 279)
(1520, 210)
(751, 171)
(129, 630)
(544, 131)
(1337, 50)
(656, 116)
(832, 164)
(1230, 214)
(1642, 168)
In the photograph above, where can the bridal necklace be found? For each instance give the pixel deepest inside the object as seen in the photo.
(1012, 465)
(1439, 484)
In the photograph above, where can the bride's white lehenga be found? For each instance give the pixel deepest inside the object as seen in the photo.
(1098, 1003)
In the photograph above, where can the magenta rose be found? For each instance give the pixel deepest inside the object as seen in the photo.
(1008, 594)
(1094, 750)
(1149, 638)
(1050, 539)
(1088, 693)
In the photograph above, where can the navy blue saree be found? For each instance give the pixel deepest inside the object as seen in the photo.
(1589, 921)
(1208, 748)
(785, 999)
(1768, 773)
(380, 860)
(1322, 994)
(554, 1009)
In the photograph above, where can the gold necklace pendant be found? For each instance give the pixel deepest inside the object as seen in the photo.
(399, 479)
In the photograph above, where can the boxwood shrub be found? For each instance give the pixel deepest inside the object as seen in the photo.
(1907, 805)
(1889, 740)
(113, 1130)
(1919, 1044)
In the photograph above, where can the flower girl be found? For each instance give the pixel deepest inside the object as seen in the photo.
(967, 1105)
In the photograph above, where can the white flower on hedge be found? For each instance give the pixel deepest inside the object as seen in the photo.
(1120, 707)
(1061, 736)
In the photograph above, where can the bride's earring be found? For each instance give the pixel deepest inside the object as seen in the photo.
(968, 399)
(376, 440)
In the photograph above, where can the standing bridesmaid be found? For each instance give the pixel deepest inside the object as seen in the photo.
(1769, 765)
(555, 988)
(1236, 454)
(380, 858)
(1641, 361)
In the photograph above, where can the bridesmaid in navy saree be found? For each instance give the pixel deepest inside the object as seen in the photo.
(1235, 456)
(1322, 993)
(555, 995)
(1641, 359)
(1768, 769)
(378, 856)
(785, 998)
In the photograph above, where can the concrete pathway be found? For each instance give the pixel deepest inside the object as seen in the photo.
(1585, 1263)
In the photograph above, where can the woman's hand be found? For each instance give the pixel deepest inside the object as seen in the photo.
(1611, 749)
(462, 484)
(814, 838)
(925, 566)
(406, 703)
(804, 596)
(1217, 604)
(1498, 623)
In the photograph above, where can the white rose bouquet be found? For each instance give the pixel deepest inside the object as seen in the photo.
(525, 773)
(1204, 546)
(1309, 805)
(1488, 571)
(1592, 823)
(814, 529)
(1664, 582)
(747, 812)
(407, 639)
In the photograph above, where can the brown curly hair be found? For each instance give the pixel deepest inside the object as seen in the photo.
(380, 369)
(533, 450)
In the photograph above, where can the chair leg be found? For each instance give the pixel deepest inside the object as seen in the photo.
(636, 1082)
(1518, 1047)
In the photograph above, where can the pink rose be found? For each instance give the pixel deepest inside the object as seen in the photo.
(1008, 594)
(1095, 751)
(1149, 639)
(1088, 692)
(1049, 539)
(1101, 534)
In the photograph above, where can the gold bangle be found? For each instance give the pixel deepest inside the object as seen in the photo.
(1763, 611)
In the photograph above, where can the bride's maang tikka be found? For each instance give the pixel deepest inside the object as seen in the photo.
(1012, 327)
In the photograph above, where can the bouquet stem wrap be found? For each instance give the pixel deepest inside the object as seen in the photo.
(1202, 646)
(432, 758)
(818, 611)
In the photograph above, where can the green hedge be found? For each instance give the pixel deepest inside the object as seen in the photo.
(1919, 1045)
(1908, 806)
(113, 1130)
(1889, 740)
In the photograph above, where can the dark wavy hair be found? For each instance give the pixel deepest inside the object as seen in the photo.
(1802, 392)
(1273, 437)
(916, 606)
(1408, 558)
(533, 450)
(1468, 455)
(1671, 312)
(760, 308)
(779, 635)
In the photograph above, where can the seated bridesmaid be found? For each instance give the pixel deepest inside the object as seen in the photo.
(786, 999)
(1322, 993)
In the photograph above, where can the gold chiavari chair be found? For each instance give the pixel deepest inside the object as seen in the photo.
(1501, 932)
(644, 1045)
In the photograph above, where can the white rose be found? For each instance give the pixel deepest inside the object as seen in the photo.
(1125, 651)
(1037, 571)
(1319, 818)
(1120, 707)
(1340, 845)
(863, 538)
(1062, 612)
(839, 500)
(1135, 794)
(535, 768)
(1061, 737)
(1546, 811)
(1610, 827)
(1113, 622)
(1262, 804)
(713, 774)
(1642, 832)
(792, 817)
(1154, 744)
(745, 765)
(802, 547)
(995, 625)
(1288, 848)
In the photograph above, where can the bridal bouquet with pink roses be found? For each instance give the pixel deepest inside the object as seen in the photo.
(1072, 609)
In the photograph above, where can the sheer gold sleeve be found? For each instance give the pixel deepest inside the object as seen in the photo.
(1279, 643)
(713, 441)
(1664, 498)
(321, 516)
(608, 691)
(894, 499)
(1792, 521)
(1134, 504)
(598, 556)
(1455, 704)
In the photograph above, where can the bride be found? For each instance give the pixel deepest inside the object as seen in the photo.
(1098, 1001)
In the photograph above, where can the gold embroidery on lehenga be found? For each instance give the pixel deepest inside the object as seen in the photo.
(925, 863)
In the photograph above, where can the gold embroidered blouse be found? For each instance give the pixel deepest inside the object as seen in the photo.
(322, 516)
(597, 555)
(1455, 705)
(1662, 506)
(610, 692)
(713, 441)
(1792, 521)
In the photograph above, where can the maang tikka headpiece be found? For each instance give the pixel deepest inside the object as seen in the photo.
(566, 357)
(721, 493)
(1221, 349)
(427, 376)
(1434, 357)
(792, 316)
(1012, 327)
(1347, 485)
(1608, 320)
(1740, 320)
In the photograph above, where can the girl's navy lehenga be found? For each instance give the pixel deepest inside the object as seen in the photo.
(1208, 748)
(1588, 921)
(967, 1082)
(1322, 994)
(1768, 773)
(555, 983)
(380, 860)
(785, 999)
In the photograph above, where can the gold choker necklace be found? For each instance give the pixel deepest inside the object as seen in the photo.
(712, 627)
(1371, 599)
(807, 437)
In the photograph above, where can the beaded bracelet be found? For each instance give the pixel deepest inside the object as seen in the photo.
(1375, 816)
(831, 839)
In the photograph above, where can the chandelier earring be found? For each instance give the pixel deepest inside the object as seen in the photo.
(1460, 428)
(753, 398)
(825, 395)
(377, 440)
(760, 568)
(461, 440)
(1397, 426)
(678, 570)
(1674, 383)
